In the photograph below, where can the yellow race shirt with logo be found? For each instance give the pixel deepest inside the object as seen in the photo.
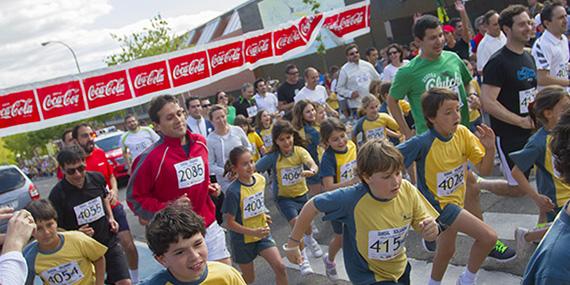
(374, 230)
(70, 263)
(216, 273)
(368, 130)
(256, 144)
(246, 204)
(442, 164)
(265, 135)
(286, 171)
(339, 164)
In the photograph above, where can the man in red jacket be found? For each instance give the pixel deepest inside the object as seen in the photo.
(175, 169)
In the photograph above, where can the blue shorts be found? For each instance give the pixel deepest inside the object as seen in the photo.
(448, 216)
(337, 227)
(404, 279)
(291, 207)
(315, 179)
(244, 253)
(121, 217)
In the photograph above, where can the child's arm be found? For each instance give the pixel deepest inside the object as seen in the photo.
(232, 225)
(392, 134)
(310, 163)
(302, 224)
(487, 138)
(99, 270)
(112, 222)
(543, 202)
(328, 183)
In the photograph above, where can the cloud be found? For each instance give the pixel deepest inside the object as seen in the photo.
(26, 24)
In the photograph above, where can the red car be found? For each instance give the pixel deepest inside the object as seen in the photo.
(110, 143)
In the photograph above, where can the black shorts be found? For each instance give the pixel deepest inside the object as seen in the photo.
(404, 279)
(116, 264)
(121, 217)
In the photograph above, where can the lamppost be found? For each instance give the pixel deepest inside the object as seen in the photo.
(68, 47)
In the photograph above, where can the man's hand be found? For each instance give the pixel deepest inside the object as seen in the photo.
(143, 222)
(526, 123)
(113, 196)
(354, 94)
(459, 6)
(20, 228)
(183, 201)
(6, 213)
(215, 189)
(486, 136)
(114, 225)
(544, 203)
(429, 229)
(474, 102)
(86, 229)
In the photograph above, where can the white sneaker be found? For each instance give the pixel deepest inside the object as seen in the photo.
(314, 229)
(522, 244)
(305, 266)
(330, 268)
(314, 246)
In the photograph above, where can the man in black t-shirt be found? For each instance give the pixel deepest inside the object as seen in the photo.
(461, 32)
(288, 89)
(80, 200)
(509, 85)
(245, 104)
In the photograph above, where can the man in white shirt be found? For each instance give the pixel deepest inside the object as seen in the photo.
(136, 139)
(195, 121)
(493, 40)
(354, 78)
(314, 92)
(265, 100)
(550, 51)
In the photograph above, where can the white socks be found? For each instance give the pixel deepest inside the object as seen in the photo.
(134, 276)
(433, 282)
(467, 278)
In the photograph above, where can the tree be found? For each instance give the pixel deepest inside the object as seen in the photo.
(6, 155)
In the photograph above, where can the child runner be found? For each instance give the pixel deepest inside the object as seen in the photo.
(305, 122)
(373, 244)
(176, 238)
(553, 193)
(62, 257)
(244, 212)
(373, 124)
(257, 146)
(287, 160)
(441, 155)
(338, 169)
(263, 125)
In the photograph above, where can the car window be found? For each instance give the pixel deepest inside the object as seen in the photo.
(109, 143)
(10, 179)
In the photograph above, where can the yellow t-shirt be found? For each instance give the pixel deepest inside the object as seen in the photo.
(216, 273)
(256, 144)
(366, 130)
(265, 135)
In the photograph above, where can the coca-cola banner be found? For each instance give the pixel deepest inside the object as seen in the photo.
(189, 68)
(60, 99)
(149, 78)
(107, 89)
(43, 104)
(18, 108)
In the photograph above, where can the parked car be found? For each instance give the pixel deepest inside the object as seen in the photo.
(110, 143)
(16, 190)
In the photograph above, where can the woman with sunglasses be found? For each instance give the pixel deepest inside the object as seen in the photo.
(396, 59)
(224, 99)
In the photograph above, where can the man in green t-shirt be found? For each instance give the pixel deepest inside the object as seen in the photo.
(433, 67)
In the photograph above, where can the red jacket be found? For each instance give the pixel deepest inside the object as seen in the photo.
(163, 173)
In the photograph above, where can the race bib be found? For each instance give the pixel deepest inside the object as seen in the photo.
(64, 274)
(386, 244)
(89, 211)
(291, 175)
(377, 133)
(267, 141)
(347, 171)
(190, 172)
(448, 182)
(525, 98)
(253, 205)
(251, 111)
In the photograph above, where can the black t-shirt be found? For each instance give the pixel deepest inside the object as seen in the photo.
(67, 200)
(461, 48)
(515, 74)
(286, 92)
(241, 105)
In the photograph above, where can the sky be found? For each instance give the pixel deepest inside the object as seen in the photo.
(86, 26)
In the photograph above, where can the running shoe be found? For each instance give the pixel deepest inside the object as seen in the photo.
(502, 253)
(330, 268)
(314, 229)
(429, 246)
(305, 266)
(313, 246)
(522, 244)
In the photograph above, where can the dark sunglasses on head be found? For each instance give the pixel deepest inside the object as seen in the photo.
(71, 171)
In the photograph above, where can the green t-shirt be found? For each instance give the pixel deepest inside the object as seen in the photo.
(231, 114)
(420, 74)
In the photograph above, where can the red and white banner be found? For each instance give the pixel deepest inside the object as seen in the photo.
(44, 104)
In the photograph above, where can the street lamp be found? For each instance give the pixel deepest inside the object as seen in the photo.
(67, 46)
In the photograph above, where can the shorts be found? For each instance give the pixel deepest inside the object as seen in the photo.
(244, 253)
(337, 227)
(315, 179)
(121, 217)
(216, 242)
(504, 147)
(448, 215)
(404, 279)
(550, 216)
(116, 264)
(291, 207)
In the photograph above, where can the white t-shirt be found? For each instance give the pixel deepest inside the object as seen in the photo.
(390, 71)
(551, 53)
(137, 142)
(319, 95)
(268, 102)
(487, 47)
(13, 268)
(356, 77)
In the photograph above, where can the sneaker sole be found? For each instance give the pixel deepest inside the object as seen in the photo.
(503, 260)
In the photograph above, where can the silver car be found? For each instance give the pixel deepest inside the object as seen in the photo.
(16, 190)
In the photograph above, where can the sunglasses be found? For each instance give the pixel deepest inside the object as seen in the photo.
(353, 53)
(293, 73)
(88, 135)
(71, 171)
(206, 106)
(393, 52)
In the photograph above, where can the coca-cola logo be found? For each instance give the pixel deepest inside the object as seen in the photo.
(223, 57)
(286, 40)
(112, 88)
(19, 108)
(189, 68)
(257, 48)
(155, 77)
(59, 100)
(348, 20)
